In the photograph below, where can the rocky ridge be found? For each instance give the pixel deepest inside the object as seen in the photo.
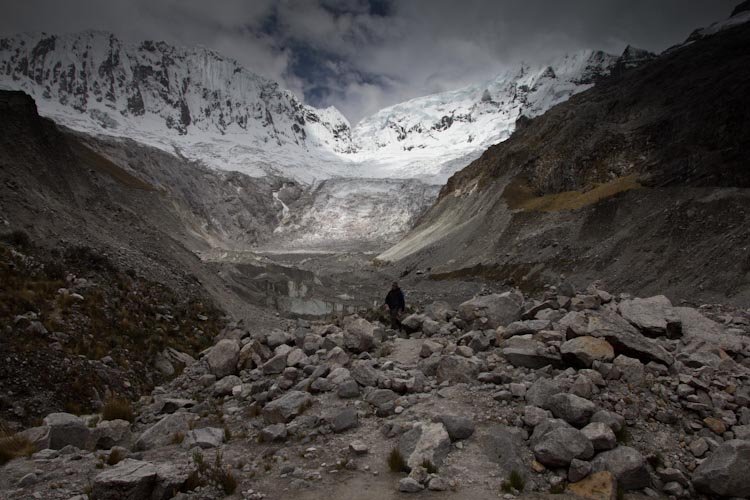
(582, 391)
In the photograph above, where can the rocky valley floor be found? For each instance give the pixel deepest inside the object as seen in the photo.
(572, 394)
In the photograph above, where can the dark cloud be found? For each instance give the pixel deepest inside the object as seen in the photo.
(361, 55)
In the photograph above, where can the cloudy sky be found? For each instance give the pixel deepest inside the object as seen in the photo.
(362, 55)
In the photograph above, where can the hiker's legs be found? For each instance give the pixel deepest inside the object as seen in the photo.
(395, 323)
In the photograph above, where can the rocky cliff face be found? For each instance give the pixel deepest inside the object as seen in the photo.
(644, 172)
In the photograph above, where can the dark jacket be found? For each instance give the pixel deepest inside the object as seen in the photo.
(395, 299)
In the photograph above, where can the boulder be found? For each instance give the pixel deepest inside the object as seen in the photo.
(627, 465)
(598, 486)
(430, 327)
(625, 339)
(457, 369)
(344, 420)
(409, 485)
(224, 386)
(348, 389)
(425, 441)
(205, 437)
(276, 364)
(66, 429)
(413, 322)
(631, 369)
(615, 421)
(109, 433)
(163, 432)
(364, 373)
(600, 435)
(496, 309)
(223, 357)
(297, 358)
(429, 348)
(273, 433)
(458, 427)
(726, 472)
(128, 480)
(539, 393)
(558, 447)
(528, 327)
(653, 316)
(438, 311)
(530, 354)
(288, 406)
(358, 335)
(573, 409)
(506, 447)
(583, 351)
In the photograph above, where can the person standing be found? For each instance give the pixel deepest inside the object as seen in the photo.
(396, 305)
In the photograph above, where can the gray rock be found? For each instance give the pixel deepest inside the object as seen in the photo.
(583, 351)
(358, 335)
(409, 485)
(205, 437)
(109, 433)
(578, 470)
(558, 447)
(358, 447)
(431, 327)
(530, 353)
(438, 311)
(533, 415)
(169, 479)
(429, 348)
(164, 431)
(66, 429)
(699, 447)
(539, 393)
(614, 420)
(653, 316)
(425, 441)
(28, 480)
(278, 337)
(297, 357)
(337, 357)
(457, 369)
(458, 427)
(631, 369)
(573, 409)
(171, 405)
(348, 389)
(223, 357)
(626, 464)
(285, 408)
(382, 400)
(364, 373)
(525, 327)
(506, 447)
(273, 433)
(413, 322)
(128, 480)
(39, 437)
(726, 472)
(496, 309)
(224, 386)
(276, 364)
(625, 339)
(600, 435)
(345, 420)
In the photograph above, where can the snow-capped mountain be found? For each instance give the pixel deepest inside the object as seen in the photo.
(209, 108)
(191, 100)
(438, 134)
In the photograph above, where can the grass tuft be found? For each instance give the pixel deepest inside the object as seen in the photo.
(115, 457)
(118, 409)
(429, 466)
(14, 447)
(514, 482)
(396, 461)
